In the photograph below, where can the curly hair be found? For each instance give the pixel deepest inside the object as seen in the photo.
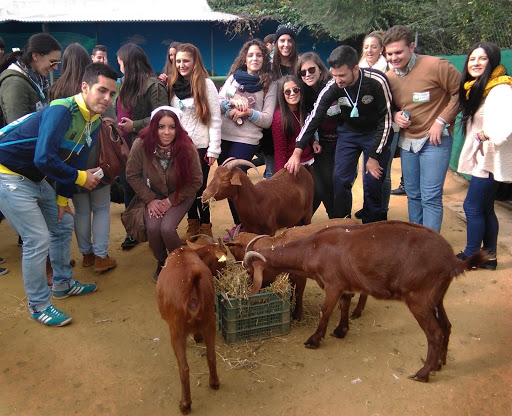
(74, 60)
(137, 69)
(266, 76)
(182, 147)
(197, 82)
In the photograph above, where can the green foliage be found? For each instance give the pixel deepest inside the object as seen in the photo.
(443, 26)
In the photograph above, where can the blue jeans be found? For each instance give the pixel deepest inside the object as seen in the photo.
(31, 209)
(424, 174)
(481, 221)
(386, 186)
(95, 204)
(348, 149)
(269, 167)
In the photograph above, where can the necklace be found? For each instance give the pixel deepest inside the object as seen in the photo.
(298, 121)
(355, 112)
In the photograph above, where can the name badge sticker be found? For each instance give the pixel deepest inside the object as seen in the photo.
(334, 110)
(421, 97)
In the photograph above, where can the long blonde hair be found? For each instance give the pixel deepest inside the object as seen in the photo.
(197, 83)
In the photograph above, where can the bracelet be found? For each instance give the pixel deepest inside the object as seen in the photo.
(442, 119)
(440, 122)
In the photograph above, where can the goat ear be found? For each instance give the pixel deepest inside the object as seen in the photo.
(235, 180)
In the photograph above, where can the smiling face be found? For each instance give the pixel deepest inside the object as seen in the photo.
(478, 61)
(100, 57)
(185, 64)
(309, 78)
(44, 64)
(372, 50)
(98, 97)
(285, 45)
(344, 76)
(291, 93)
(166, 131)
(254, 60)
(398, 54)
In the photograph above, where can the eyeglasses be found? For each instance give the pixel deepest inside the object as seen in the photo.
(311, 71)
(288, 91)
(52, 63)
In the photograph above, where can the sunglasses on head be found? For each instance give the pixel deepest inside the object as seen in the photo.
(288, 91)
(311, 71)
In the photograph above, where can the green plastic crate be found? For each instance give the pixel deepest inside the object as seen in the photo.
(263, 315)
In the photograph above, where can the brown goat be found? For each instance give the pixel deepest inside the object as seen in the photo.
(282, 201)
(362, 259)
(212, 253)
(238, 248)
(185, 297)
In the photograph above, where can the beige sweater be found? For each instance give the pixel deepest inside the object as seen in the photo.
(428, 91)
(494, 155)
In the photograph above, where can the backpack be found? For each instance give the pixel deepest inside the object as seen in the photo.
(113, 151)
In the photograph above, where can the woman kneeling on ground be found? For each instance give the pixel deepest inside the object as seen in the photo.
(485, 98)
(165, 172)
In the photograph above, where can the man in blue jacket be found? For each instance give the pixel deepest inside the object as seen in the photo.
(53, 143)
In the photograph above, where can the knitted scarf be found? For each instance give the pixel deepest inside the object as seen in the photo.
(181, 88)
(497, 77)
(164, 155)
(41, 84)
(250, 83)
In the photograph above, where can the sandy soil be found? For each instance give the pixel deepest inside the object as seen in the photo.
(115, 358)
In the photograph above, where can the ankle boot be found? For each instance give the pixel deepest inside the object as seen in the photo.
(104, 264)
(206, 229)
(192, 229)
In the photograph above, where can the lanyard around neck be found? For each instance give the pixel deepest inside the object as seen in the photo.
(355, 112)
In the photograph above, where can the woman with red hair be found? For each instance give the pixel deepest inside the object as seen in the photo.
(165, 172)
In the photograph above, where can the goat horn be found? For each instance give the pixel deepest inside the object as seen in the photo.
(229, 159)
(239, 162)
(251, 243)
(237, 231)
(252, 254)
(196, 237)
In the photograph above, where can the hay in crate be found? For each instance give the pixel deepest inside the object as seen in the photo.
(235, 282)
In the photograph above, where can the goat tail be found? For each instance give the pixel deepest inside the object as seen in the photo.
(193, 295)
(476, 260)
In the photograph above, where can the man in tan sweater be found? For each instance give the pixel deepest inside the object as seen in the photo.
(425, 91)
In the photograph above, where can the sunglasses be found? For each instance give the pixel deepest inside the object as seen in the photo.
(52, 63)
(288, 91)
(311, 71)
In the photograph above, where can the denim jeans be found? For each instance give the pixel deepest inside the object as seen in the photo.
(269, 167)
(481, 221)
(31, 209)
(95, 204)
(349, 146)
(424, 174)
(386, 186)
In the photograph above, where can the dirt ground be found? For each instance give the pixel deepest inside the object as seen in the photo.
(116, 359)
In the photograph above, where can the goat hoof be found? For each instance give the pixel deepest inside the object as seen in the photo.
(185, 408)
(215, 385)
(312, 344)
(296, 317)
(355, 315)
(340, 333)
(418, 377)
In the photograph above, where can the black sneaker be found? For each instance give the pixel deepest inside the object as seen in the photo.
(129, 243)
(490, 264)
(157, 272)
(359, 214)
(398, 191)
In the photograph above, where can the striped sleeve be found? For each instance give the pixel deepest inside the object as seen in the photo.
(384, 106)
(327, 95)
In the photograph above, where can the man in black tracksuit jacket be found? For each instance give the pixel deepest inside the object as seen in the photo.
(364, 100)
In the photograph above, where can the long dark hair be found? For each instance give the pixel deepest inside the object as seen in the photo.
(74, 60)
(197, 83)
(310, 94)
(287, 118)
(266, 76)
(469, 106)
(170, 67)
(276, 63)
(137, 69)
(41, 43)
(182, 148)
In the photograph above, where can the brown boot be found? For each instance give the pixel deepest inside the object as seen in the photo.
(104, 264)
(206, 229)
(88, 260)
(192, 229)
